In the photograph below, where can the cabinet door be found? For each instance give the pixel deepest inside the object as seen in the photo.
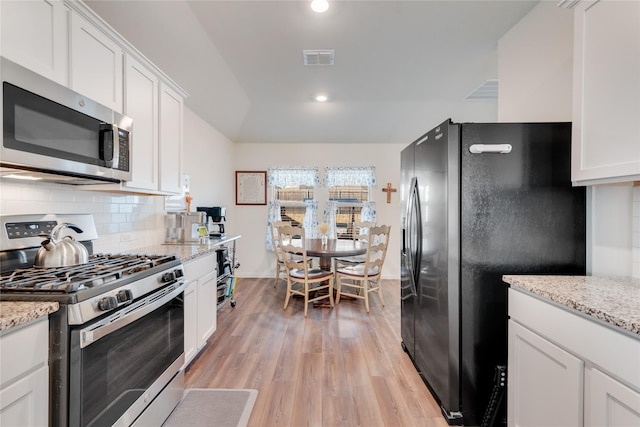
(34, 35)
(96, 64)
(190, 322)
(610, 403)
(141, 104)
(545, 383)
(207, 295)
(26, 402)
(171, 105)
(606, 129)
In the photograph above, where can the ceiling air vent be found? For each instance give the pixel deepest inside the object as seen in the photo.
(318, 57)
(487, 91)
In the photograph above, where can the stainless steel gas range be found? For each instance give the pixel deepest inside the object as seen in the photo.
(116, 345)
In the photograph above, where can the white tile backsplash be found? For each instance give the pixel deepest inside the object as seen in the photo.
(635, 230)
(124, 222)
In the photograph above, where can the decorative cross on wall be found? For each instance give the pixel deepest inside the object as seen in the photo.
(389, 190)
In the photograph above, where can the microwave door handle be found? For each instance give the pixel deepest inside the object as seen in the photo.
(115, 161)
(107, 145)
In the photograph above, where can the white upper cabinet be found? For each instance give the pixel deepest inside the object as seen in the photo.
(171, 109)
(606, 91)
(141, 104)
(95, 63)
(34, 34)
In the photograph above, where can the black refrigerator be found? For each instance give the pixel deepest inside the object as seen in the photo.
(480, 200)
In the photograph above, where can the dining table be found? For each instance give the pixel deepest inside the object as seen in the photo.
(334, 248)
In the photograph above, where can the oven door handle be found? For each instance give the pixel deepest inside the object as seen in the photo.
(128, 314)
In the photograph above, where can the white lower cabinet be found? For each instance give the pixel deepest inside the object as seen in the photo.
(24, 375)
(206, 308)
(190, 322)
(566, 370)
(608, 402)
(199, 304)
(543, 373)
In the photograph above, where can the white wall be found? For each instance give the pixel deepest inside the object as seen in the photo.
(635, 218)
(535, 66)
(208, 160)
(251, 221)
(536, 73)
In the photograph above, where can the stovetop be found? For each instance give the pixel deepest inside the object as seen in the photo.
(101, 269)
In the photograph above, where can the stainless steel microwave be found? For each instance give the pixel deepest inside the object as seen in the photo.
(51, 132)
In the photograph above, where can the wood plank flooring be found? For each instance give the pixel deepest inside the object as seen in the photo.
(337, 367)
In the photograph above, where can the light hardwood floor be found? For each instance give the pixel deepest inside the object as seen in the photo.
(337, 367)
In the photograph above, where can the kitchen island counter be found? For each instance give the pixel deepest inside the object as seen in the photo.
(613, 300)
(14, 313)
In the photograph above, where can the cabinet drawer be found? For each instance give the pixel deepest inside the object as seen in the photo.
(200, 267)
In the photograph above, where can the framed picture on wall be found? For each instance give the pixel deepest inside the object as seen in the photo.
(251, 187)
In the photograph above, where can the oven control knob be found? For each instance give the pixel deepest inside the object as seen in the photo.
(179, 273)
(169, 276)
(124, 295)
(107, 303)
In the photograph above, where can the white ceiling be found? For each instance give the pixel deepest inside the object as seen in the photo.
(400, 66)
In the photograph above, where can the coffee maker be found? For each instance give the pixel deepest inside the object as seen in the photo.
(216, 216)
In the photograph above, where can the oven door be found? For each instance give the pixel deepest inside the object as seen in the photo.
(121, 362)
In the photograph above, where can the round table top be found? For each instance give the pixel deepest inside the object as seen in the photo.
(335, 248)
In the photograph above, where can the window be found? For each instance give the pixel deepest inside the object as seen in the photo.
(350, 188)
(349, 200)
(291, 190)
(292, 198)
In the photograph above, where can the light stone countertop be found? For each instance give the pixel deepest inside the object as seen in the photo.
(14, 313)
(186, 251)
(614, 300)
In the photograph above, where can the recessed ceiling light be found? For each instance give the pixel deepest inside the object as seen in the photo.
(321, 98)
(319, 6)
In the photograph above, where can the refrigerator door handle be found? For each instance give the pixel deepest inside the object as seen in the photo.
(413, 201)
(490, 148)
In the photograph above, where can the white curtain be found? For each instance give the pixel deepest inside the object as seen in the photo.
(274, 216)
(330, 218)
(310, 221)
(368, 212)
(348, 175)
(283, 176)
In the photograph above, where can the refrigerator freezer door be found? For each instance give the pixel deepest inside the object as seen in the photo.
(436, 317)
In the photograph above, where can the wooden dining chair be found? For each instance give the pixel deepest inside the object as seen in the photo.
(359, 280)
(280, 267)
(302, 279)
(359, 229)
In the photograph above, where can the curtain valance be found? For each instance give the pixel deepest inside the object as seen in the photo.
(283, 176)
(347, 175)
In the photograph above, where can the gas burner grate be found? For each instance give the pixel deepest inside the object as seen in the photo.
(101, 269)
